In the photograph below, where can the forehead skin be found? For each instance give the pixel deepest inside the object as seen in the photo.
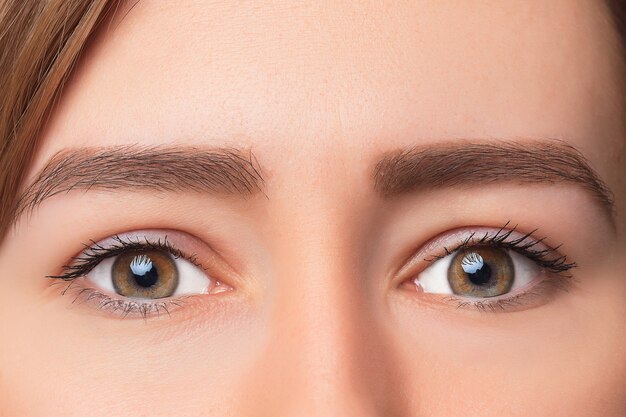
(325, 78)
(318, 90)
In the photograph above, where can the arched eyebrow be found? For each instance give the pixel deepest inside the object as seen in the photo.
(222, 171)
(476, 164)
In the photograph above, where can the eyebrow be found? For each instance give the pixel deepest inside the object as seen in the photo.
(222, 171)
(477, 164)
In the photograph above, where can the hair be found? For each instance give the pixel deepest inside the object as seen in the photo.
(40, 43)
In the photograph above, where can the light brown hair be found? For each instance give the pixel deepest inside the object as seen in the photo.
(40, 42)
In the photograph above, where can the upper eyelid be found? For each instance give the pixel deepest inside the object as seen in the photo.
(125, 244)
(99, 252)
(502, 237)
(224, 266)
(484, 235)
(548, 257)
(453, 239)
(178, 242)
(106, 248)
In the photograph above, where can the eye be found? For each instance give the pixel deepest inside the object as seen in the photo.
(149, 274)
(142, 273)
(488, 269)
(478, 272)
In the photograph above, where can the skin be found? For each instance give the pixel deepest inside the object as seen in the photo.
(318, 321)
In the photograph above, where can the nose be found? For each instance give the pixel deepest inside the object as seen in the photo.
(326, 353)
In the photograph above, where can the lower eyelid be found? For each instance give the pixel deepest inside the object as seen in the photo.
(82, 294)
(531, 296)
(546, 287)
(131, 308)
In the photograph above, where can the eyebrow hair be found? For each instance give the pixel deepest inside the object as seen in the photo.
(222, 171)
(477, 164)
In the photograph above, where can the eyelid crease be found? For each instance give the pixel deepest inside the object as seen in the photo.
(95, 253)
(522, 244)
(504, 237)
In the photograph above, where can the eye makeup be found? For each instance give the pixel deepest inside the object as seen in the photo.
(118, 244)
(508, 238)
(144, 274)
(485, 269)
(137, 274)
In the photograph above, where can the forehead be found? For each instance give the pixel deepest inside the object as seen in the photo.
(331, 73)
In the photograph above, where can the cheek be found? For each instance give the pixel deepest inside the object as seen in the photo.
(105, 365)
(135, 371)
(522, 363)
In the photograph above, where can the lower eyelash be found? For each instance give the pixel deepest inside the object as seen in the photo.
(123, 308)
(541, 291)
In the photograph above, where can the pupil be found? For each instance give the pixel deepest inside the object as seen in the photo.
(478, 272)
(143, 271)
(481, 276)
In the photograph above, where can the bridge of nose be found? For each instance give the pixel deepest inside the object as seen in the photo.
(327, 351)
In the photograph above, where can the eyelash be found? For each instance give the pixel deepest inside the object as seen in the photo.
(518, 301)
(95, 253)
(549, 259)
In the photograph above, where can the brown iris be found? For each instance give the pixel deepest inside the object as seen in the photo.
(481, 272)
(145, 274)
